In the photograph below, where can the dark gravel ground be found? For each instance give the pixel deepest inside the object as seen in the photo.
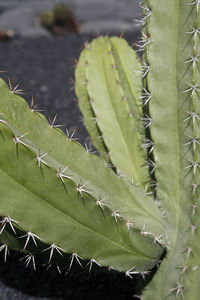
(44, 68)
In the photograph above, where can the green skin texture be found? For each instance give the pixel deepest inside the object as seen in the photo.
(116, 218)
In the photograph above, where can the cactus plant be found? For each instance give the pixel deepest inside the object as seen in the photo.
(135, 205)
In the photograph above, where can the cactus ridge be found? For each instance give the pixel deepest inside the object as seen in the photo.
(90, 120)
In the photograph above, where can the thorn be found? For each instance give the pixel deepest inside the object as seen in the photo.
(52, 123)
(146, 192)
(130, 272)
(178, 290)
(129, 225)
(61, 174)
(80, 189)
(189, 250)
(29, 235)
(139, 22)
(5, 221)
(193, 165)
(147, 12)
(6, 251)
(100, 203)
(194, 208)
(144, 42)
(194, 187)
(70, 135)
(116, 215)
(193, 227)
(18, 140)
(13, 88)
(52, 247)
(196, 3)
(194, 141)
(193, 59)
(107, 164)
(33, 106)
(152, 165)
(91, 263)
(77, 257)
(194, 32)
(89, 148)
(95, 119)
(158, 239)
(58, 269)
(146, 96)
(192, 115)
(148, 144)
(145, 70)
(147, 121)
(144, 232)
(192, 88)
(28, 258)
(143, 274)
(40, 160)
(183, 269)
(87, 45)
(154, 185)
(2, 121)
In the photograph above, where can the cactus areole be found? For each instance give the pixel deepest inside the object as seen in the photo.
(136, 204)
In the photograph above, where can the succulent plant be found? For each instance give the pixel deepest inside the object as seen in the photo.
(135, 205)
(59, 20)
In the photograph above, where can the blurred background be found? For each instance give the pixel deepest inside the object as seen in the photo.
(40, 40)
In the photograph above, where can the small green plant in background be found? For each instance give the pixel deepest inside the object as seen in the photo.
(135, 205)
(59, 20)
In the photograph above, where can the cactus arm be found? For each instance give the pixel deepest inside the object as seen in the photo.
(115, 116)
(38, 203)
(85, 106)
(81, 166)
(169, 79)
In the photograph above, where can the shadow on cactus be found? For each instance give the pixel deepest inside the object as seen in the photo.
(138, 199)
